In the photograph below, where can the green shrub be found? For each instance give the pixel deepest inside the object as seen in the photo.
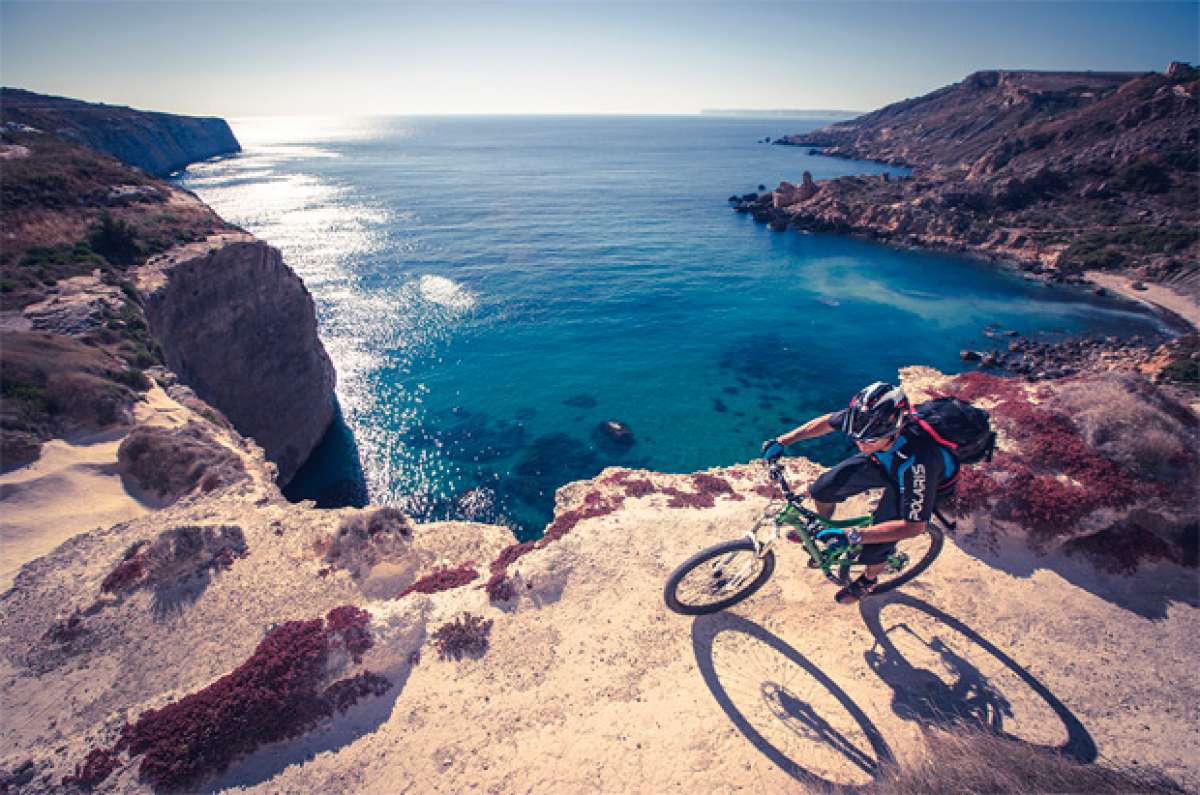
(1102, 249)
(116, 241)
(31, 394)
(133, 378)
(1143, 176)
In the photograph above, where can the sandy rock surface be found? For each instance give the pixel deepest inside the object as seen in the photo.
(589, 683)
(78, 485)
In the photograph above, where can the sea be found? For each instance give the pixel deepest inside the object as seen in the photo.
(515, 303)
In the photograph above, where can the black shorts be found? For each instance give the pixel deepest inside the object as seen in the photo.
(854, 476)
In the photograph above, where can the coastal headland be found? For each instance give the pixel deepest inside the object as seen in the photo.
(1060, 173)
(183, 627)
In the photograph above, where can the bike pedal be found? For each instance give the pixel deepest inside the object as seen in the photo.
(794, 537)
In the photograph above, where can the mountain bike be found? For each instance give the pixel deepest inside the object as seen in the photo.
(723, 575)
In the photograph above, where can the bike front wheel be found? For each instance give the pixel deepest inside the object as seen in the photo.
(718, 577)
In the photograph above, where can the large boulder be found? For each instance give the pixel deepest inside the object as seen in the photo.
(239, 327)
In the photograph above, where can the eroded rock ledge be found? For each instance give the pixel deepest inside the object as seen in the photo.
(239, 326)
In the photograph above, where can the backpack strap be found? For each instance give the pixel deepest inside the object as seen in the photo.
(925, 426)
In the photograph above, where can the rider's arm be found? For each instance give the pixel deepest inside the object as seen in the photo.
(809, 430)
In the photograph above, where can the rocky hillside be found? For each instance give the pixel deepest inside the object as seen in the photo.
(232, 639)
(1061, 173)
(157, 143)
(116, 272)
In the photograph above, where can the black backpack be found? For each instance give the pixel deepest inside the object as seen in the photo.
(958, 426)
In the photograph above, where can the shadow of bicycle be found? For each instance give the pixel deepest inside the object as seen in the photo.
(788, 708)
(947, 685)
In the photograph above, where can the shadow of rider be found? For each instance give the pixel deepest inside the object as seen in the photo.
(920, 694)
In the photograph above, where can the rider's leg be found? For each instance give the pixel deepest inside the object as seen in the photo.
(824, 508)
(855, 475)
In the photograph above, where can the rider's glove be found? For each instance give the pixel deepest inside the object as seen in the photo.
(772, 450)
(837, 537)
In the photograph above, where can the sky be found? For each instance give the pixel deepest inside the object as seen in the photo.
(238, 59)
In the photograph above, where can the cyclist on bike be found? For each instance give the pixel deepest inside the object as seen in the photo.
(899, 458)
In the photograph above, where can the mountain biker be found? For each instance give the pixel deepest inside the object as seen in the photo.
(893, 455)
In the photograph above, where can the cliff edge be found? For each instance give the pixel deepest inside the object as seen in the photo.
(157, 143)
(233, 639)
(237, 325)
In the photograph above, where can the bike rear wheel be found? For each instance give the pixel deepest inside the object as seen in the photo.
(718, 577)
(920, 551)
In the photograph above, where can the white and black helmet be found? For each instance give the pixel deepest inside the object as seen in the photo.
(876, 411)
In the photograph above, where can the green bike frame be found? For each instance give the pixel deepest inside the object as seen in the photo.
(832, 558)
(833, 561)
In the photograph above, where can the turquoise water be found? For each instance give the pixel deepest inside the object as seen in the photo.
(492, 289)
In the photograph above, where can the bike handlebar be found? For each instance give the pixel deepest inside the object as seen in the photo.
(775, 471)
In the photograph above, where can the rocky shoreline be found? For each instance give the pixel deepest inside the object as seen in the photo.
(1054, 173)
(1175, 360)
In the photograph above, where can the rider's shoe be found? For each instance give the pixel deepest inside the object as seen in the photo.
(856, 591)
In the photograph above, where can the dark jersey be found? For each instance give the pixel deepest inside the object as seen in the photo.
(915, 467)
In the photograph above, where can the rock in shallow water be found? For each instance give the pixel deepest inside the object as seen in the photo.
(613, 435)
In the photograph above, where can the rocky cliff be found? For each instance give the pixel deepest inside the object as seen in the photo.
(232, 639)
(237, 325)
(157, 143)
(1060, 172)
(137, 273)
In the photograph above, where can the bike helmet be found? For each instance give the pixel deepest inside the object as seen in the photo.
(875, 412)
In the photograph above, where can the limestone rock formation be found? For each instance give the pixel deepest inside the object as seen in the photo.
(238, 326)
(788, 194)
(157, 143)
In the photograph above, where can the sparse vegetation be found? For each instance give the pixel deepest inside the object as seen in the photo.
(1104, 249)
(367, 537)
(499, 586)
(172, 462)
(970, 760)
(1184, 367)
(68, 210)
(1103, 441)
(51, 384)
(276, 694)
(1131, 424)
(1143, 176)
(442, 580)
(465, 636)
(100, 763)
(177, 554)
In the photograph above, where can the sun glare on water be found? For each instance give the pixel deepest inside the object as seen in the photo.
(445, 293)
